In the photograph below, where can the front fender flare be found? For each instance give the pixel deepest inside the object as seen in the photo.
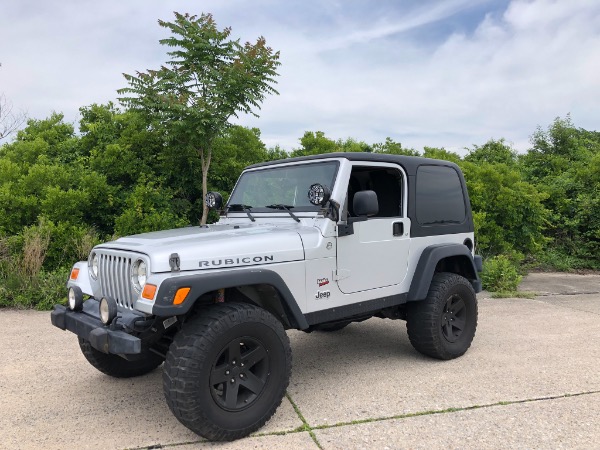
(200, 284)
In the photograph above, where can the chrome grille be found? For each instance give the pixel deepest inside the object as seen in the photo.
(114, 274)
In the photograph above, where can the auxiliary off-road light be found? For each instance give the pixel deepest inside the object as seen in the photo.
(213, 200)
(318, 194)
(75, 298)
(108, 310)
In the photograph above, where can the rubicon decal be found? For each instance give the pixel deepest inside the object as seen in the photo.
(237, 261)
(322, 281)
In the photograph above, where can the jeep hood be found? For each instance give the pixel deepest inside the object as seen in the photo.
(215, 246)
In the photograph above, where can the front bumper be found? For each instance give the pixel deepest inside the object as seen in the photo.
(87, 325)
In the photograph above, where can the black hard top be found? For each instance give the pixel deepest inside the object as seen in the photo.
(409, 163)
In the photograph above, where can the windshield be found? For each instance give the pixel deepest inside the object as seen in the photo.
(286, 186)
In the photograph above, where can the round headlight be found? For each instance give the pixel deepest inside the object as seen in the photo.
(108, 310)
(94, 265)
(75, 298)
(139, 274)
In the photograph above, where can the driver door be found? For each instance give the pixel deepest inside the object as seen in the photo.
(375, 254)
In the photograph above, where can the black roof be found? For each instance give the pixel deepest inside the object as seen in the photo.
(409, 163)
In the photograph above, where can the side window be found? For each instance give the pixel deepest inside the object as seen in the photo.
(387, 184)
(439, 198)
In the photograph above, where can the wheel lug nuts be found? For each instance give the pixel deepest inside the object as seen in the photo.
(233, 380)
(227, 372)
(241, 375)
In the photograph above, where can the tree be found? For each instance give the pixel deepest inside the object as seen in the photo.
(493, 151)
(9, 121)
(208, 79)
(563, 163)
(391, 147)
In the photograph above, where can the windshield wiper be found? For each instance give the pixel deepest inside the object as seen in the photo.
(285, 208)
(240, 207)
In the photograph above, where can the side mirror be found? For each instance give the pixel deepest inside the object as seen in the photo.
(365, 203)
(213, 200)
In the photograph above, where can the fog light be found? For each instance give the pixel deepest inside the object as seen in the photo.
(108, 310)
(75, 297)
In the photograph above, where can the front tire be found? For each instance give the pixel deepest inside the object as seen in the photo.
(227, 370)
(118, 367)
(443, 325)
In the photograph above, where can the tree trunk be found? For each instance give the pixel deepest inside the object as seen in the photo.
(205, 155)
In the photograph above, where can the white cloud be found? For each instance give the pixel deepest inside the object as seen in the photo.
(361, 69)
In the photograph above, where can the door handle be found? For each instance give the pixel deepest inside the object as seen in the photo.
(398, 228)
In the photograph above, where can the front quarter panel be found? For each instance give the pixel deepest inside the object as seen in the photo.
(83, 279)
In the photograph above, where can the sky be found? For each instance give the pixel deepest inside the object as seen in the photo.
(439, 73)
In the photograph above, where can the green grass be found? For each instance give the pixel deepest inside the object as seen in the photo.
(513, 294)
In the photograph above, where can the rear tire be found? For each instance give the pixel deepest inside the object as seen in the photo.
(115, 366)
(443, 325)
(227, 370)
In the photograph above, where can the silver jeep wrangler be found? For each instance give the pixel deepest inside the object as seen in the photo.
(310, 243)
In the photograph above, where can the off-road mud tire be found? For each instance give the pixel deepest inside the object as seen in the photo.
(443, 325)
(117, 367)
(229, 348)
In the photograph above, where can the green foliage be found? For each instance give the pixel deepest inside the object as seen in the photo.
(493, 151)
(441, 153)
(208, 79)
(315, 143)
(125, 173)
(501, 273)
(392, 147)
(564, 164)
(149, 208)
(507, 211)
(23, 281)
(237, 148)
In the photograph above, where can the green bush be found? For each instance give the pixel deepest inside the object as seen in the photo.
(501, 273)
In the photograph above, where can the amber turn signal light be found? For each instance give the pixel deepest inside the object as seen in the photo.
(74, 273)
(149, 291)
(180, 295)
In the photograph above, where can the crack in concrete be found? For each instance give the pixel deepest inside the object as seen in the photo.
(549, 294)
(306, 427)
(559, 305)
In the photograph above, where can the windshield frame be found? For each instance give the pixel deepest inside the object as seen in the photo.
(296, 209)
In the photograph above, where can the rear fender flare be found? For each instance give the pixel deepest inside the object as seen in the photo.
(428, 261)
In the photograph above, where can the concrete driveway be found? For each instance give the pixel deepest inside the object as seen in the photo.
(530, 380)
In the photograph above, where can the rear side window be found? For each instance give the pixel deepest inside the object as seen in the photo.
(440, 197)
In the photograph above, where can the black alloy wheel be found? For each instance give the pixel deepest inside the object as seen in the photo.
(239, 374)
(454, 318)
